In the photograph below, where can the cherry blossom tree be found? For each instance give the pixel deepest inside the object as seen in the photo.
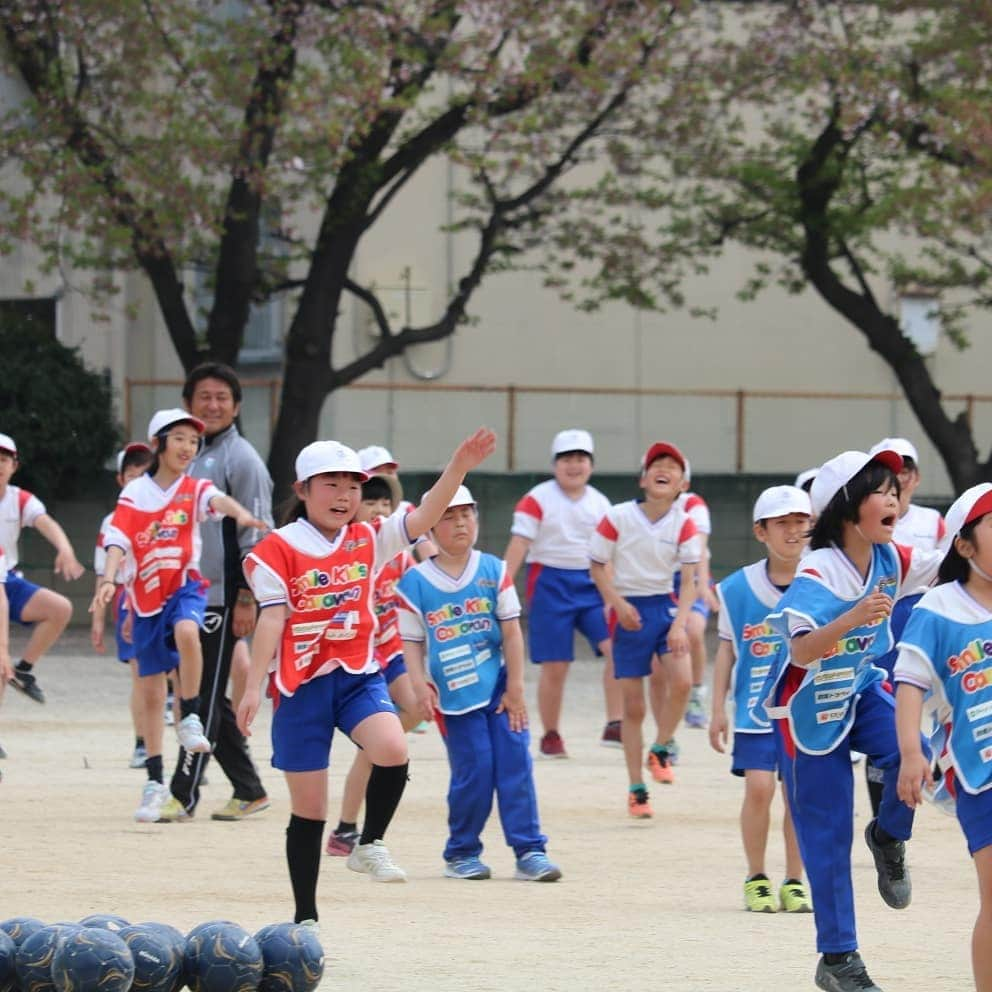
(155, 135)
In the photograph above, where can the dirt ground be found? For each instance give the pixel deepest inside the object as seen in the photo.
(642, 904)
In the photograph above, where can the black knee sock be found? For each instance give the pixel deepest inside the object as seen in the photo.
(344, 827)
(139, 742)
(303, 839)
(188, 706)
(24, 666)
(873, 777)
(881, 837)
(382, 796)
(153, 764)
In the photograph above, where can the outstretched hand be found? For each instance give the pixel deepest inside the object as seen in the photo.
(474, 450)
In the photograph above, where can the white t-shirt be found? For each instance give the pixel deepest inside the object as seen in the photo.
(18, 508)
(558, 526)
(645, 555)
(696, 507)
(920, 527)
(3, 566)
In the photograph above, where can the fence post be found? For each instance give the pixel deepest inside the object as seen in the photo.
(739, 454)
(511, 428)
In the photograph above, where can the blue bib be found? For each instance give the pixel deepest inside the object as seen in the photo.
(961, 656)
(757, 645)
(464, 650)
(821, 711)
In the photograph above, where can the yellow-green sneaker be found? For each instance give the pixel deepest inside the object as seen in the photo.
(758, 896)
(240, 809)
(793, 897)
(173, 811)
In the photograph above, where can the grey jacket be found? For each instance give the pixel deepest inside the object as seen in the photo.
(235, 468)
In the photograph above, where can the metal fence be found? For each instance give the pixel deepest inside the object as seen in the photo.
(722, 430)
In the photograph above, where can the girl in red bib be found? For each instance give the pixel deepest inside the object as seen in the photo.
(314, 582)
(156, 522)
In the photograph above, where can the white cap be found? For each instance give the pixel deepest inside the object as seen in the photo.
(127, 449)
(897, 444)
(7, 444)
(780, 501)
(835, 474)
(375, 456)
(572, 439)
(166, 418)
(808, 476)
(328, 456)
(971, 504)
(462, 497)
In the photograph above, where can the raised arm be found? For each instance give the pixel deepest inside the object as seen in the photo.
(471, 452)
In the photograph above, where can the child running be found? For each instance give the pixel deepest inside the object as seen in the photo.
(131, 463)
(381, 497)
(781, 523)
(46, 612)
(943, 655)
(551, 528)
(313, 580)
(830, 698)
(634, 554)
(460, 619)
(156, 523)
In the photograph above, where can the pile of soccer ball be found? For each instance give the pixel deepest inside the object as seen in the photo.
(106, 954)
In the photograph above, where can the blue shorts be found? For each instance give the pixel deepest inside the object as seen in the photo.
(754, 753)
(634, 649)
(395, 668)
(699, 606)
(303, 724)
(975, 816)
(125, 648)
(19, 591)
(561, 601)
(154, 637)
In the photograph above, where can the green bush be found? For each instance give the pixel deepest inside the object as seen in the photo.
(57, 411)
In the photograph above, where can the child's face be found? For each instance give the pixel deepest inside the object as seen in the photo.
(369, 509)
(573, 470)
(909, 480)
(332, 500)
(181, 445)
(979, 546)
(662, 479)
(8, 466)
(131, 473)
(457, 530)
(785, 537)
(878, 514)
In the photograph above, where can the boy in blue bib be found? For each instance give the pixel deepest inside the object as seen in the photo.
(459, 619)
(743, 660)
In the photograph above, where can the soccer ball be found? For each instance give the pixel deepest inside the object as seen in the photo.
(8, 958)
(104, 921)
(294, 959)
(19, 928)
(156, 965)
(35, 955)
(177, 944)
(92, 960)
(222, 958)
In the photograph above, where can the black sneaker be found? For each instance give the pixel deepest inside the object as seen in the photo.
(28, 684)
(894, 885)
(848, 976)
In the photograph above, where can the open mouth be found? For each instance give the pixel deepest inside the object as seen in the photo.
(889, 521)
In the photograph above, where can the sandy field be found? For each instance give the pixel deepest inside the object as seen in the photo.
(653, 904)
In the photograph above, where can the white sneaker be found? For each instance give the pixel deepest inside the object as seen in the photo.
(189, 730)
(374, 860)
(153, 798)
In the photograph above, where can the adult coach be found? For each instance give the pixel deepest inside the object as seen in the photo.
(212, 393)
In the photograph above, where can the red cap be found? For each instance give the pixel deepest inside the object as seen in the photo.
(658, 450)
